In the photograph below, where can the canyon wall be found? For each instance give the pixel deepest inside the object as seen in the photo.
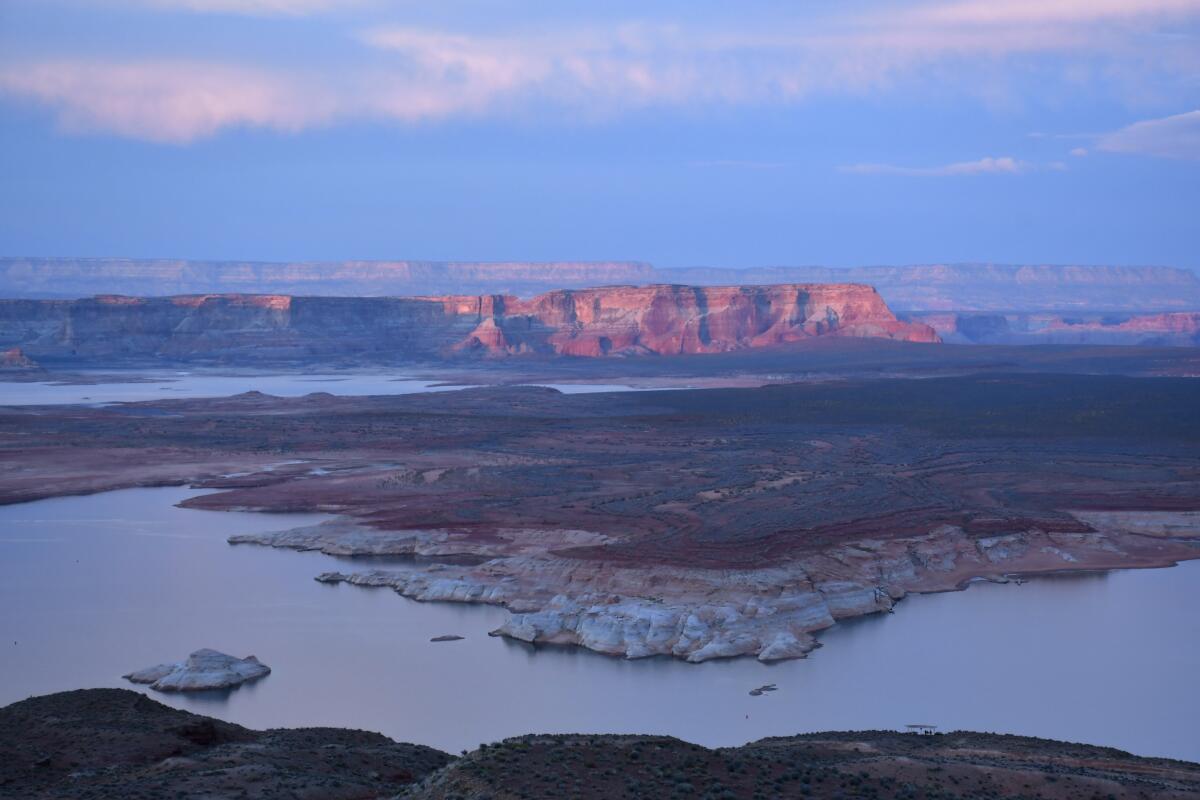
(619, 320)
(924, 288)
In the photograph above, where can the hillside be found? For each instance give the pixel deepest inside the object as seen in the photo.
(114, 743)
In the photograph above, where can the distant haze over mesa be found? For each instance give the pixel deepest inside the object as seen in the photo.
(926, 287)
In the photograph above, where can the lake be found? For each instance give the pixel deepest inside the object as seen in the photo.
(93, 587)
(140, 385)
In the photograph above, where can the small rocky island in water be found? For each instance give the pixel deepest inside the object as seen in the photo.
(203, 670)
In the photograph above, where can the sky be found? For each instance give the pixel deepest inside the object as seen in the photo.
(678, 132)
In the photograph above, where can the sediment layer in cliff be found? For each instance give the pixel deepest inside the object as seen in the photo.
(616, 320)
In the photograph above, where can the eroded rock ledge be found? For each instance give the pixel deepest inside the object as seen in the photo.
(699, 614)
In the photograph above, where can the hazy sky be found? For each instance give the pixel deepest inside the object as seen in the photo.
(681, 133)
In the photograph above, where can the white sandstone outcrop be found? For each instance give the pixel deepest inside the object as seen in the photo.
(203, 669)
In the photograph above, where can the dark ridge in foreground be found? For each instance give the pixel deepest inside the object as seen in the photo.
(114, 743)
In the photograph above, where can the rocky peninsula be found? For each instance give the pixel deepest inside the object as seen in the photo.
(701, 613)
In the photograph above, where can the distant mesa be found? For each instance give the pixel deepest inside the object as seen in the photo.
(678, 320)
(203, 670)
(610, 321)
(84, 277)
(1178, 328)
(979, 287)
(912, 288)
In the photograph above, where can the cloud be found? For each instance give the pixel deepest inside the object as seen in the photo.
(1004, 165)
(168, 101)
(246, 7)
(594, 71)
(1079, 152)
(1177, 136)
(1040, 12)
(603, 68)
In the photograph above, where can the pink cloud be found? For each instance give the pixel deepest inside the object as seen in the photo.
(598, 71)
(247, 7)
(168, 101)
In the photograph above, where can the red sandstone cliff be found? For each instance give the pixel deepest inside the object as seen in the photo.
(671, 320)
(616, 320)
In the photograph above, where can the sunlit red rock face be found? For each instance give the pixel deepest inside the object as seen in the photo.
(671, 320)
(618, 320)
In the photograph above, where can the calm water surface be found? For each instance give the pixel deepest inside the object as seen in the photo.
(138, 385)
(92, 587)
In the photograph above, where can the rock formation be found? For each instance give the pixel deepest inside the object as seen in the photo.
(992, 287)
(14, 360)
(699, 614)
(203, 669)
(671, 320)
(617, 320)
